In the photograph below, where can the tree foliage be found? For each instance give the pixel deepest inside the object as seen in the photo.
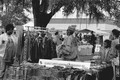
(117, 14)
(12, 12)
(92, 8)
(43, 10)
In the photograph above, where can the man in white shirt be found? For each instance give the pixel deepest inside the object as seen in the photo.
(56, 39)
(6, 38)
(115, 40)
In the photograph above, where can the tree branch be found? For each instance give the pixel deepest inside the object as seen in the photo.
(56, 9)
(44, 6)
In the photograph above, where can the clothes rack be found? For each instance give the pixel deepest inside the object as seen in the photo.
(27, 50)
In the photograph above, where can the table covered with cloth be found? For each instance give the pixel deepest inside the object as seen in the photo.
(37, 72)
(85, 49)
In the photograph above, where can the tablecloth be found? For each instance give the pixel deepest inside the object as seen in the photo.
(85, 49)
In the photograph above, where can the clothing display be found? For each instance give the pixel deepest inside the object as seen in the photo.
(20, 47)
(37, 47)
(34, 71)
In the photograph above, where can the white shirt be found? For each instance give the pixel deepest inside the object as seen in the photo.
(57, 40)
(3, 41)
(113, 45)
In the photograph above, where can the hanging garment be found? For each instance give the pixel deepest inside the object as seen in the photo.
(9, 51)
(29, 47)
(90, 77)
(53, 47)
(48, 49)
(44, 48)
(32, 50)
(76, 75)
(20, 48)
(26, 46)
(35, 49)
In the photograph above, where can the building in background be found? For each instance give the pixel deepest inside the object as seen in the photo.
(81, 23)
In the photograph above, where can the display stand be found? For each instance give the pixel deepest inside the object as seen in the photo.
(25, 48)
(36, 29)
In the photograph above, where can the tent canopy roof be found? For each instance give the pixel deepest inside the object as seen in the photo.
(85, 31)
(95, 31)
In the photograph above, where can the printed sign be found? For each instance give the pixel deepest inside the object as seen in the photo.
(74, 64)
(97, 48)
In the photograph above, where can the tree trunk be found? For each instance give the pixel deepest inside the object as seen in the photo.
(41, 18)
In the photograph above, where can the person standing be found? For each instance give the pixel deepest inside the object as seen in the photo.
(115, 49)
(7, 49)
(105, 51)
(115, 40)
(116, 62)
(80, 37)
(93, 42)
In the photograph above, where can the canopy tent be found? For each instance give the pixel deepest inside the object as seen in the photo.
(100, 32)
(85, 31)
(95, 31)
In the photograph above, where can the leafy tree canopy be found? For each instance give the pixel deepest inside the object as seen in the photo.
(92, 8)
(117, 15)
(47, 8)
(12, 12)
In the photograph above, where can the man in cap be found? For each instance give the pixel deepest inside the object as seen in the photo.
(69, 48)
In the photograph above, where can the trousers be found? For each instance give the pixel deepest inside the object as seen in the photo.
(93, 49)
(4, 67)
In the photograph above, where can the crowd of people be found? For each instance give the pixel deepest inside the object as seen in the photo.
(109, 52)
(66, 48)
